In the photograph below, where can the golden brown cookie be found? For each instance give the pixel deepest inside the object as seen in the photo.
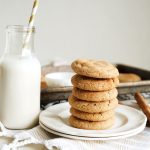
(90, 125)
(92, 107)
(95, 69)
(129, 77)
(92, 116)
(94, 84)
(95, 96)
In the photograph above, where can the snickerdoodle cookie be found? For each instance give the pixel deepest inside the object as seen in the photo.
(90, 125)
(92, 107)
(96, 95)
(95, 69)
(129, 77)
(92, 116)
(94, 84)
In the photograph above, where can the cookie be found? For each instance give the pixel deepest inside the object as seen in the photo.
(95, 96)
(129, 77)
(92, 107)
(94, 84)
(95, 69)
(90, 125)
(92, 116)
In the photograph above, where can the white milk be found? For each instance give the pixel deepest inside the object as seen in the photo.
(19, 91)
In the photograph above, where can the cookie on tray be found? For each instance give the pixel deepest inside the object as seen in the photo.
(92, 116)
(94, 84)
(95, 69)
(90, 125)
(129, 77)
(96, 95)
(92, 107)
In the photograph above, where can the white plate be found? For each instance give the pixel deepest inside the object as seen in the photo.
(90, 138)
(128, 120)
(59, 79)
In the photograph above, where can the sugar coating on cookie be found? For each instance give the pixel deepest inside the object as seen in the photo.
(92, 107)
(95, 69)
(95, 96)
(94, 84)
(129, 77)
(92, 116)
(90, 125)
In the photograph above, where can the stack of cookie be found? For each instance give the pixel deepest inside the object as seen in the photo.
(93, 98)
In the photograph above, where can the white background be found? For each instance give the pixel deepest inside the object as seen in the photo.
(115, 30)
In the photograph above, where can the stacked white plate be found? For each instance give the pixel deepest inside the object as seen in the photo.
(129, 122)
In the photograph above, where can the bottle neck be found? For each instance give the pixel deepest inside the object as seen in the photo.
(16, 37)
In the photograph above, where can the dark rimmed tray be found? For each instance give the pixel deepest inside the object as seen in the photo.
(61, 93)
(132, 87)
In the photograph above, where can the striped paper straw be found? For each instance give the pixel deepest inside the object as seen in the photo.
(31, 22)
(34, 10)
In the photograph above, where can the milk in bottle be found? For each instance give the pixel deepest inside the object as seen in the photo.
(19, 81)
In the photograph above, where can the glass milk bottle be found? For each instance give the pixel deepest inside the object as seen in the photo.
(19, 81)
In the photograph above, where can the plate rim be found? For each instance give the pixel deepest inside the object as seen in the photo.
(90, 138)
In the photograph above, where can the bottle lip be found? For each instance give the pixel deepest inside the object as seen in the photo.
(20, 28)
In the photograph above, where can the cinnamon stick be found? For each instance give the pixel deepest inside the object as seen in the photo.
(143, 104)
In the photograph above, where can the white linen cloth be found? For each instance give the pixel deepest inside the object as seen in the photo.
(38, 135)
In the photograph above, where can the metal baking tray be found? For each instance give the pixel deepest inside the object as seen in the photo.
(132, 87)
(62, 93)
